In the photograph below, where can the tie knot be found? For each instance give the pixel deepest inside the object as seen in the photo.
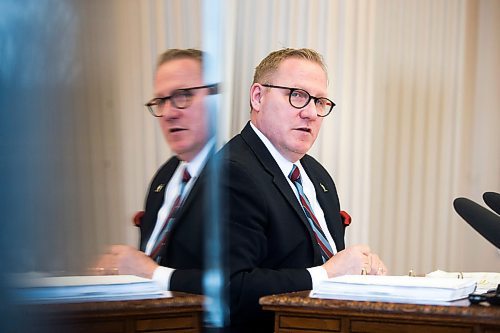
(294, 174)
(185, 176)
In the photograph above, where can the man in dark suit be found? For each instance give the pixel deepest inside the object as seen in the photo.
(284, 217)
(171, 226)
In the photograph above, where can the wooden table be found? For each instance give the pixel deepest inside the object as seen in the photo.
(180, 313)
(297, 312)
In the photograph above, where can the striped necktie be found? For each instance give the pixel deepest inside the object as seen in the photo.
(326, 249)
(162, 237)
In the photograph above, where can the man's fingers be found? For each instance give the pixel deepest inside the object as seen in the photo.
(365, 249)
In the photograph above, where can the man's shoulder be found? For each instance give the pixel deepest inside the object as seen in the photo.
(171, 163)
(309, 160)
(233, 147)
(310, 164)
(245, 138)
(166, 170)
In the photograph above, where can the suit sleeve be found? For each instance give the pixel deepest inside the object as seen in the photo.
(248, 219)
(187, 280)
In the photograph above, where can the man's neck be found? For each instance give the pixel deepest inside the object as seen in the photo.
(270, 146)
(199, 160)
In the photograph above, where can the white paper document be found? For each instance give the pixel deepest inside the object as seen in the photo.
(81, 288)
(485, 280)
(399, 289)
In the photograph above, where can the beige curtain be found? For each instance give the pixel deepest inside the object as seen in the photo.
(416, 84)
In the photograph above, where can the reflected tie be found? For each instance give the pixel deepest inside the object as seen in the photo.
(162, 237)
(326, 249)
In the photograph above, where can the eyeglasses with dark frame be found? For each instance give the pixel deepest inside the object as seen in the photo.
(180, 99)
(299, 98)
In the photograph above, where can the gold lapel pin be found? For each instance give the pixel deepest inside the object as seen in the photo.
(159, 188)
(323, 187)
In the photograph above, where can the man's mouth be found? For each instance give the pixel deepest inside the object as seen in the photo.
(176, 129)
(304, 129)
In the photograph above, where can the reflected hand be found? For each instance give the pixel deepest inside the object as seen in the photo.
(124, 259)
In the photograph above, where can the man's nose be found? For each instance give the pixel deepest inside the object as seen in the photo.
(170, 112)
(309, 111)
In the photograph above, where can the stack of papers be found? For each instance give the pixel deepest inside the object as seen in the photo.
(399, 289)
(81, 288)
(485, 280)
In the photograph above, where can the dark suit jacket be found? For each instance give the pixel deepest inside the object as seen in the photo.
(271, 242)
(184, 248)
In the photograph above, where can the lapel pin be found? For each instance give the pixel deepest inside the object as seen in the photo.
(323, 187)
(159, 188)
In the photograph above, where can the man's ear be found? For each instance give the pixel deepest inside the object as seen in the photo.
(256, 91)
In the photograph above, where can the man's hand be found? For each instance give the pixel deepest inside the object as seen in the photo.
(357, 259)
(377, 266)
(124, 259)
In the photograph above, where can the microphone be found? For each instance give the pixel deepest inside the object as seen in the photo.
(481, 219)
(492, 199)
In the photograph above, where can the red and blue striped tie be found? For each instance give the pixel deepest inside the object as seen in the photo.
(162, 237)
(326, 249)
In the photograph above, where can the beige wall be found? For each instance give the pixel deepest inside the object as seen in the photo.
(417, 88)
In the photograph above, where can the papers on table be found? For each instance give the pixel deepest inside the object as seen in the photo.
(485, 280)
(399, 289)
(82, 288)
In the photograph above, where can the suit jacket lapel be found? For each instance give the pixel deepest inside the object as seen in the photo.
(156, 197)
(188, 200)
(324, 197)
(270, 165)
(193, 193)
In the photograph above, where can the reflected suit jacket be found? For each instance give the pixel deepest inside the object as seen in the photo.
(184, 247)
(271, 242)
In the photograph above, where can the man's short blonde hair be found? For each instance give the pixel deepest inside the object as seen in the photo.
(269, 65)
(173, 54)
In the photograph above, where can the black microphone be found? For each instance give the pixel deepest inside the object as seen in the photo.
(492, 199)
(481, 219)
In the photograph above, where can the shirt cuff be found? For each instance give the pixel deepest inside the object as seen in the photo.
(161, 276)
(318, 274)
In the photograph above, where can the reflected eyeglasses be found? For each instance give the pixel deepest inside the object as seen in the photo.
(180, 99)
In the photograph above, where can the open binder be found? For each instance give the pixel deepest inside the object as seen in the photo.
(399, 289)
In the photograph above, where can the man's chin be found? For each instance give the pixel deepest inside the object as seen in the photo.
(177, 146)
(303, 146)
(177, 139)
(184, 152)
(295, 154)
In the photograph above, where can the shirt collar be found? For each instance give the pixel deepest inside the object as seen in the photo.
(284, 164)
(198, 162)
